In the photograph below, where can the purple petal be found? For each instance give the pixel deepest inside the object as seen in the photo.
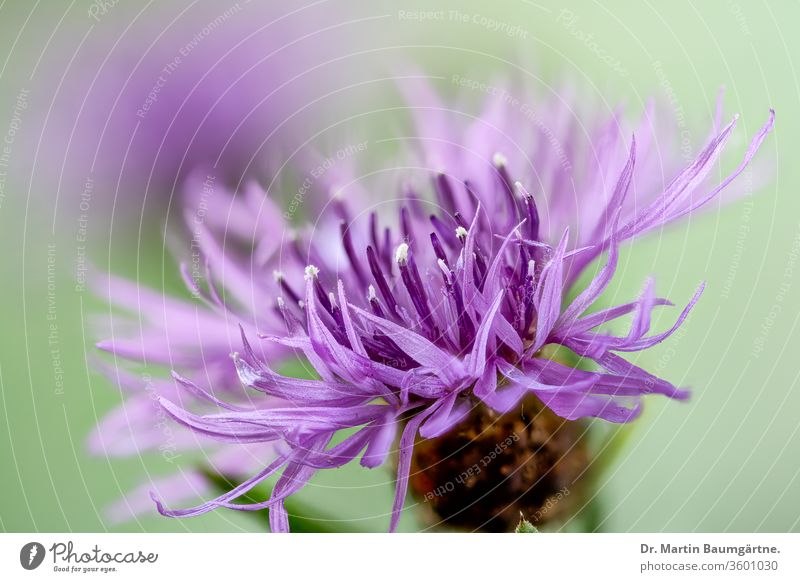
(404, 464)
(449, 412)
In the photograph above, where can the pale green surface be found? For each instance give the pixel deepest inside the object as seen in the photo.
(727, 460)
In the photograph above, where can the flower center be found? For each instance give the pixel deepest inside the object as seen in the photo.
(491, 467)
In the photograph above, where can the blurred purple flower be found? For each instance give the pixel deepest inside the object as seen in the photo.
(153, 94)
(410, 327)
(234, 239)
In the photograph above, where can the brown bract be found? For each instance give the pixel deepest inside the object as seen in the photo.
(483, 473)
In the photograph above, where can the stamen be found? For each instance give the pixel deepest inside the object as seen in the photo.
(437, 248)
(386, 252)
(281, 280)
(373, 231)
(471, 196)
(523, 257)
(289, 318)
(401, 254)
(445, 269)
(372, 298)
(405, 224)
(312, 273)
(465, 328)
(526, 307)
(459, 219)
(414, 286)
(347, 243)
(532, 211)
(499, 160)
(377, 274)
(501, 165)
(480, 262)
(445, 192)
(340, 333)
(445, 232)
(529, 310)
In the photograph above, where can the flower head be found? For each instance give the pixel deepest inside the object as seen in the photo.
(153, 94)
(450, 306)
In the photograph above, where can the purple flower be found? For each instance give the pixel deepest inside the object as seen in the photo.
(153, 94)
(194, 339)
(412, 321)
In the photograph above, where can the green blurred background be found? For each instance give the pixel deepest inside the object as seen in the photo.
(725, 461)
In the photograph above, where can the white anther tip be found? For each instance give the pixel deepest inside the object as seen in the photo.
(401, 254)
